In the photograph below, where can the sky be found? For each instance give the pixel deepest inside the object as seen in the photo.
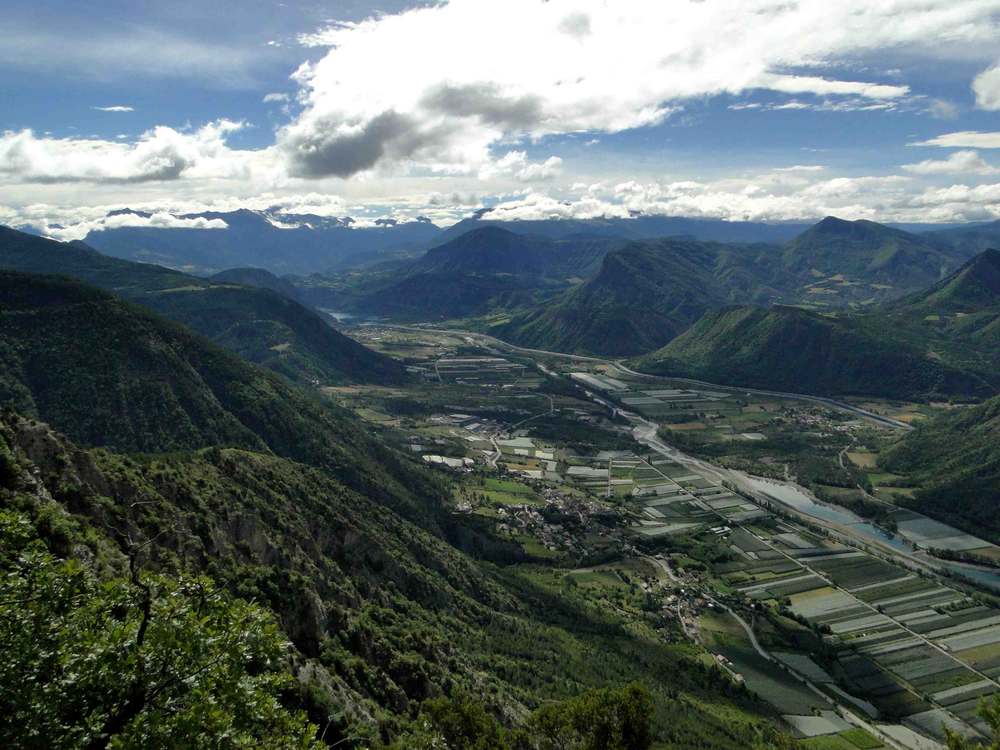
(764, 110)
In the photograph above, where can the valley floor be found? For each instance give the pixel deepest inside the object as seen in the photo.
(754, 525)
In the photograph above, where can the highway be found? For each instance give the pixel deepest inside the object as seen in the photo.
(841, 405)
(646, 432)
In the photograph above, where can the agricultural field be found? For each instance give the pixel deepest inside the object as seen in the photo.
(549, 466)
(767, 436)
(920, 652)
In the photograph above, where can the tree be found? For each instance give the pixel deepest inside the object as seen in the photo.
(990, 711)
(605, 719)
(146, 661)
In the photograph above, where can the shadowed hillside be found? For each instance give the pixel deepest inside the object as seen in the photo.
(644, 295)
(261, 325)
(789, 349)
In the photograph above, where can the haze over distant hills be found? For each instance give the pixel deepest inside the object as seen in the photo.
(638, 227)
(485, 270)
(302, 244)
(281, 243)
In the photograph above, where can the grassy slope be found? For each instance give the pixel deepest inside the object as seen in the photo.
(260, 325)
(786, 348)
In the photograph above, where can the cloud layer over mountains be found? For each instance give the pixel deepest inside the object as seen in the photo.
(464, 91)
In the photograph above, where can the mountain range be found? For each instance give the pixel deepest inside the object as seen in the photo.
(645, 294)
(665, 300)
(483, 271)
(286, 500)
(264, 326)
(937, 342)
(794, 350)
(279, 242)
(285, 242)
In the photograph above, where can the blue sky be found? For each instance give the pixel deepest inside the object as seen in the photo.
(757, 109)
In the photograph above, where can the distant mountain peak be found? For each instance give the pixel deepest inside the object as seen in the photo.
(832, 223)
(129, 212)
(488, 231)
(834, 226)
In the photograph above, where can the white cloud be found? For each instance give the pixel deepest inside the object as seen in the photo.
(986, 87)
(801, 168)
(964, 139)
(435, 101)
(516, 164)
(878, 198)
(965, 162)
(847, 104)
(458, 91)
(158, 220)
(160, 154)
(116, 108)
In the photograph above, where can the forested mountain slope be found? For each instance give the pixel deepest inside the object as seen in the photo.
(483, 271)
(956, 458)
(260, 325)
(644, 295)
(839, 262)
(794, 350)
(286, 501)
(108, 373)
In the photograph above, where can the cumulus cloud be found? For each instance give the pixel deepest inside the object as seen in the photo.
(116, 108)
(986, 87)
(962, 162)
(275, 97)
(613, 67)
(160, 154)
(762, 198)
(158, 220)
(964, 139)
(516, 164)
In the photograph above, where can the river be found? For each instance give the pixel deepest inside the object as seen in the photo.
(800, 500)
